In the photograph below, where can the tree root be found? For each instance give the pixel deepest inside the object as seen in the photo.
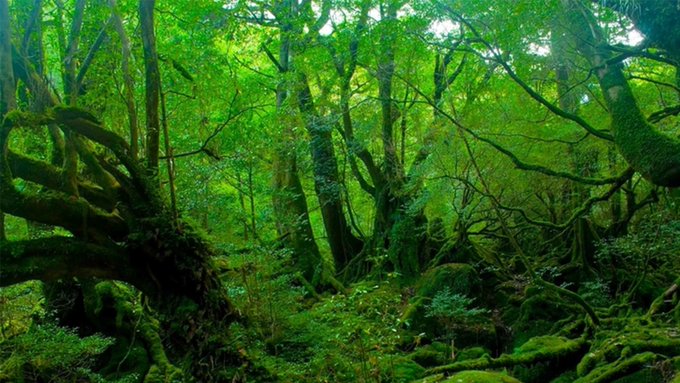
(538, 349)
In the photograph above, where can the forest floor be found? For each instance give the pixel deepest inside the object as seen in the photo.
(459, 322)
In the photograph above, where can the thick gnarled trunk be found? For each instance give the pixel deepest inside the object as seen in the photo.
(343, 244)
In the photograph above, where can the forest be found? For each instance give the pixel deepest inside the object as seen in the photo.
(371, 191)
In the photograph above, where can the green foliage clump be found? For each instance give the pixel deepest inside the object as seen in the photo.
(641, 265)
(456, 307)
(48, 352)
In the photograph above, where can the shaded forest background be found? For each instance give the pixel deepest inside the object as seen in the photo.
(339, 191)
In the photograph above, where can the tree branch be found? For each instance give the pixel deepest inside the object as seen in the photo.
(50, 259)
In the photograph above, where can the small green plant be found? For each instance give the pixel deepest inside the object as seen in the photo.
(453, 311)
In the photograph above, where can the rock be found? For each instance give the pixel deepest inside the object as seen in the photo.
(400, 369)
(480, 377)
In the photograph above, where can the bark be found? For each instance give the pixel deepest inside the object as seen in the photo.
(385, 204)
(7, 89)
(290, 203)
(152, 84)
(51, 259)
(344, 245)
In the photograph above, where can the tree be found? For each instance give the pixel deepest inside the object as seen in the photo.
(109, 202)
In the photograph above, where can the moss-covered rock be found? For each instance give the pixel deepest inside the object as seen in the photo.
(460, 278)
(480, 377)
(428, 356)
(400, 370)
(646, 375)
(470, 377)
(471, 353)
(538, 314)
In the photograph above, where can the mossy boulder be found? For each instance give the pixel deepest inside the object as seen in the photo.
(428, 356)
(470, 377)
(400, 370)
(480, 377)
(471, 353)
(538, 314)
(460, 278)
(566, 356)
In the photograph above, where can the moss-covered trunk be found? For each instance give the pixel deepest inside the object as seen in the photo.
(652, 154)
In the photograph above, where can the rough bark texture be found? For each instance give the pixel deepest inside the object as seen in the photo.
(344, 245)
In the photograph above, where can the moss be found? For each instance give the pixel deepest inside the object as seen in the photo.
(480, 377)
(400, 369)
(123, 359)
(618, 369)
(21, 118)
(630, 340)
(431, 379)
(458, 277)
(554, 349)
(472, 353)
(428, 356)
(542, 312)
(545, 370)
(647, 375)
(541, 343)
(164, 375)
(567, 377)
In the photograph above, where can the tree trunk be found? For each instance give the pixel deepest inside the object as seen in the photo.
(128, 81)
(290, 203)
(153, 84)
(344, 245)
(7, 91)
(654, 155)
